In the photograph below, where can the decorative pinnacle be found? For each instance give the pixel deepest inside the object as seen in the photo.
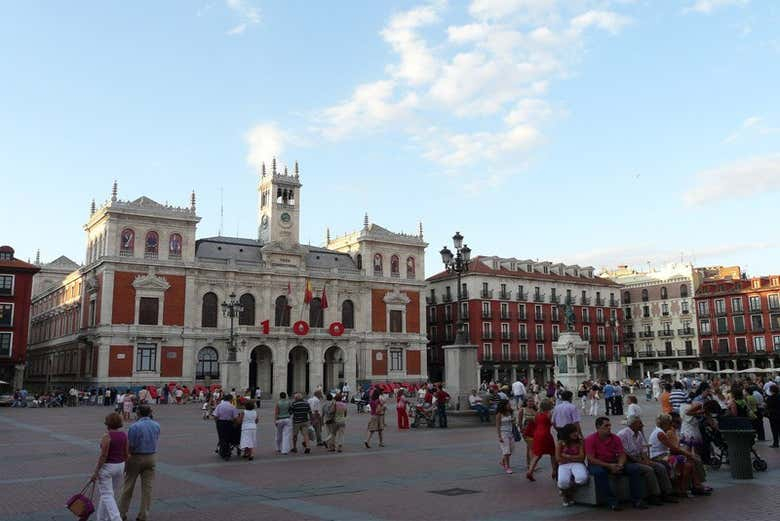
(114, 192)
(38, 257)
(273, 166)
(92, 207)
(262, 170)
(285, 170)
(420, 229)
(296, 169)
(365, 220)
(192, 201)
(327, 235)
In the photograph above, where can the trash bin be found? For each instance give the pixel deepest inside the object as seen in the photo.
(739, 437)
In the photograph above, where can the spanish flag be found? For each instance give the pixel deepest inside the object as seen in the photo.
(307, 293)
(324, 299)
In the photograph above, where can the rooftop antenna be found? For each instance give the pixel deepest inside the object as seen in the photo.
(221, 210)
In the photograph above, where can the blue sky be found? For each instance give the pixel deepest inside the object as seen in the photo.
(586, 131)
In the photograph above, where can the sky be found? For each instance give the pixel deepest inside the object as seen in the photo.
(594, 132)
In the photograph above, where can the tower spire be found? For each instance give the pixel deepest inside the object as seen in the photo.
(273, 166)
(38, 257)
(285, 169)
(114, 191)
(192, 201)
(296, 169)
(365, 220)
(327, 236)
(420, 229)
(92, 208)
(262, 170)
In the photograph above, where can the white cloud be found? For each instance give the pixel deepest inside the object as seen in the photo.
(753, 176)
(417, 63)
(709, 6)
(265, 141)
(753, 124)
(248, 15)
(607, 20)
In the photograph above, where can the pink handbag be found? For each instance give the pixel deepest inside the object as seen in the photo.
(81, 505)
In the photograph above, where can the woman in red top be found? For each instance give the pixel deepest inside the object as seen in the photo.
(114, 451)
(400, 408)
(543, 440)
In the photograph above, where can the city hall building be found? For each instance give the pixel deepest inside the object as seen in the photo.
(148, 306)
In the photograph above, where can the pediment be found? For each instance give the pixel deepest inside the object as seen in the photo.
(151, 282)
(396, 297)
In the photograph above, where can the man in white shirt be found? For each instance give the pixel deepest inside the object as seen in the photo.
(656, 477)
(258, 396)
(518, 393)
(315, 404)
(345, 391)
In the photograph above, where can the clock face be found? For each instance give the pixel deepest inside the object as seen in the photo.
(264, 221)
(285, 217)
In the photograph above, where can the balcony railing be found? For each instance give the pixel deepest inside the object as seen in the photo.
(584, 301)
(522, 296)
(505, 295)
(504, 316)
(665, 353)
(431, 301)
(555, 299)
(720, 312)
(685, 331)
(629, 334)
(599, 301)
(486, 293)
(774, 306)
(539, 318)
(446, 298)
(775, 327)
(522, 316)
(506, 335)
(614, 303)
(464, 294)
(465, 317)
(706, 351)
(664, 333)
(686, 312)
(487, 316)
(600, 320)
(487, 335)
(755, 310)
(538, 297)
(645, 354)
(646, 334)
(539, 337)
(522, 337)
(555, 337)
(757, 329)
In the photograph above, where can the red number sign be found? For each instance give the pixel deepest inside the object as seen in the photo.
(301, 328)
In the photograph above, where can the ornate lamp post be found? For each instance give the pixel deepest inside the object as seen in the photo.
(231, 308)
(458, 264)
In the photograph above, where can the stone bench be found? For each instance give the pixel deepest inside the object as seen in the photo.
(586, 494)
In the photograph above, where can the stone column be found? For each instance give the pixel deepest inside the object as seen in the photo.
(315, 367)
(753, 363)
(717, 365)
(642, 370)
(459, 361)
(18, 376)
(495, 372)
(679, 365)
(350, 356)
(514, 374)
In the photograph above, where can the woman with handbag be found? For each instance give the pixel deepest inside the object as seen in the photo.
(377, 421)
(114, 451)
(505, 425)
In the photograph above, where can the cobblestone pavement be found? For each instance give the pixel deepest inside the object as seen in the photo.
(47, 454)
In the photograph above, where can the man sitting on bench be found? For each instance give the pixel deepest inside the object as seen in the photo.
(606, 457)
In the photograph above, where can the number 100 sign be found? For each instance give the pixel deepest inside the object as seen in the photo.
(301, 328)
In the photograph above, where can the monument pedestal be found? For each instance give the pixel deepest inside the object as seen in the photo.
(230, 374)
(570, 353)
(460, 377)
(616, 371)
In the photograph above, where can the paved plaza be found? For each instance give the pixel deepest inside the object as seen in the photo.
(47, 454)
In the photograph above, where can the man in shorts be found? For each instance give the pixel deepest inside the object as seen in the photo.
(301, 415)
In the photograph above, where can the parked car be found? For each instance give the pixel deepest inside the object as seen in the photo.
(6, 400)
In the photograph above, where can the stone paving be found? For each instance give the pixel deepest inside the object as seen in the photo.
(47, 454)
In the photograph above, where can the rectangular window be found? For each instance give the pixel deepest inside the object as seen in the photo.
(755, 303)
(92, 312)
(7, 285)
(556, 331)
(555, 314)
(720, 306)
(723, 345)
(538, 313)
(447, 312)
(396, 360)
(396, 321)
(774, 301)
(522, 329)
(684, 307)
(6, 315)
(600, 333)
(585, 315)
(736, 305)
(524, 350)
(5, 343)
(759, 343)
(521, 312)
(487, 351)
(757, 323)
(741, 345)
(540, 351)
(504, 310)
(723, 327)
(704, 307)
(586, 332)
(600, 315)
(665, 309)
(739, 324)
(539, 333)
(706, 347)
(464, 309)
(487, 330)
(627, 313)
(146, 359)
(147, 311)
(602, 352)
(466, 329)
(448, 332)
(505, 351)
(776, 343)
(645, 311)
(705, 326)
(486, 310)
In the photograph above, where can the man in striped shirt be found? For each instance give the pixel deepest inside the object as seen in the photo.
(301, 415)
(678, 396)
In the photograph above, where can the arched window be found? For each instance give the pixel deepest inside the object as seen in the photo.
(626, 297)
(151, 244)
(247, 316)
(644, 295)
(208, 364)
(395, 268)
(664, 293)
(174, 246)
(209, 311)
(410, 267)
(348, 314)
(359, 261)
(281, 311)
(126, 243)
(315, 312)
(377, 264)
(683, 291)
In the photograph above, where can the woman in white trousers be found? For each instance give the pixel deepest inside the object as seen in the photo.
(283, 423)
(110, 468)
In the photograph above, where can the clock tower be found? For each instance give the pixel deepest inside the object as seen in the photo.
(280, 203)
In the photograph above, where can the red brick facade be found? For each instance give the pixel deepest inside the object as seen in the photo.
(15, 298)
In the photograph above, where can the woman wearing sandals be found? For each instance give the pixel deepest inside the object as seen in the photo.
(506, 439)
(377, 422)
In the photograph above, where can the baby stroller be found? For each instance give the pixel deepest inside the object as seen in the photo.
(716, 448)
(422, 414)
(228, 439)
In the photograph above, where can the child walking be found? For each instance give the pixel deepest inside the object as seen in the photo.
(506, 440)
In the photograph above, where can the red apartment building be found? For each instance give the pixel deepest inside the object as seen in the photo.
(513, 312)
(739, 321)
(15, 290)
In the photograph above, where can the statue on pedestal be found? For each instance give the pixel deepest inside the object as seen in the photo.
(568, 313)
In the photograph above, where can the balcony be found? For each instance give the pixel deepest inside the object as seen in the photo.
(600, 320)
(705, 332)
(150, 255)
(685, 352)
(646, 334)
(465, 317)
(487, 335)
(739, 330)
(774, 306)
(584, 301)
(446, 298)
(555, 299)
(505, 295)
(431, 301)
(599, 301)
(505, 335)
(487, 316)
(504, 316)
(486, 293)
(645, 354)
(522, 337)
(775, 327)
(685, 332)
(522, 316)
(538, 297)
(755, 310)
(665, 314)
(539, 318)
(720, 312)
(757, 329)
(539, 337)
(706, 351)
(447, 318)
(464, 294)
(602, 339)
(521, 296)
(737, 311)
(686, 312)
(614, 303)
(665, 333)
(629, 334)
(555, 337)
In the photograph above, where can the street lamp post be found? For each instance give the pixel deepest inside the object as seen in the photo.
(458, 264)
(231, 308)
